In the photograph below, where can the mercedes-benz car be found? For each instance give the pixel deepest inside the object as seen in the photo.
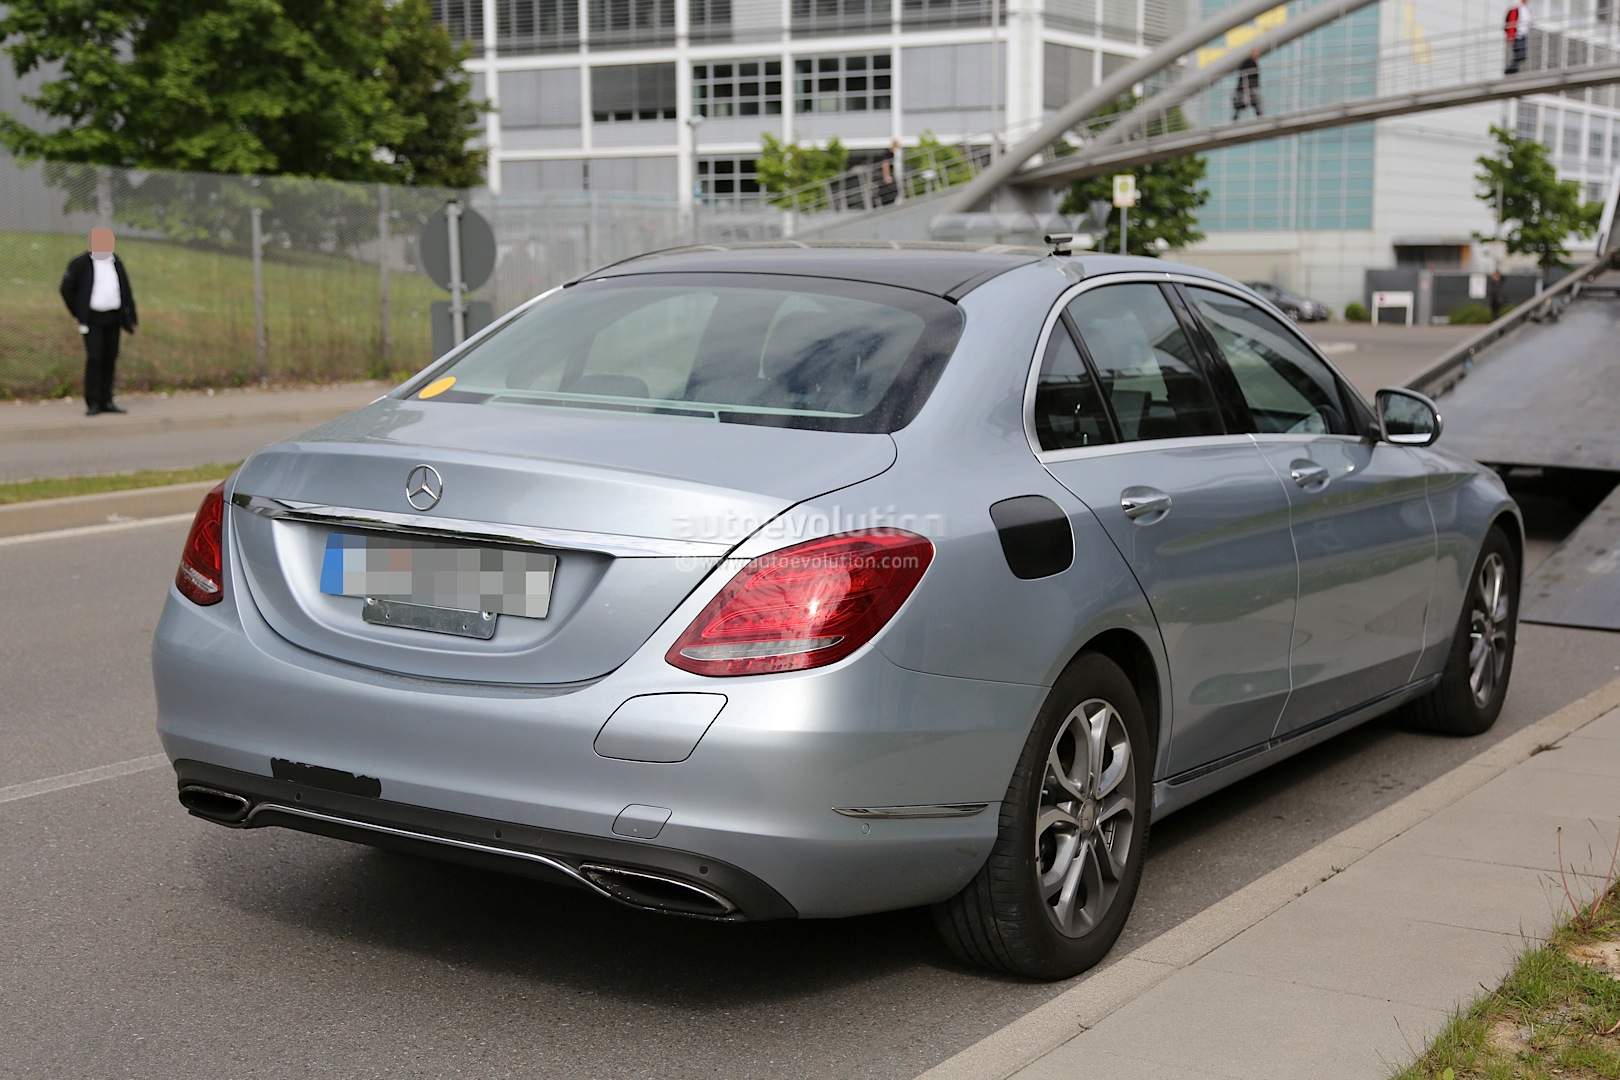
(1296, 307)
(794, 581)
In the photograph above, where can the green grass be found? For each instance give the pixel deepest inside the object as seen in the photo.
(32, 490)
(197, 318)
(1553, 1017)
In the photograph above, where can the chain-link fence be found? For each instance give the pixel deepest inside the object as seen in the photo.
(327, 285)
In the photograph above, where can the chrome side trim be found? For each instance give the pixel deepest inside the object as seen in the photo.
(934, 810)
(481, 531)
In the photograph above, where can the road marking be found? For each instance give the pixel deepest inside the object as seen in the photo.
(82, 777)
(95, 530)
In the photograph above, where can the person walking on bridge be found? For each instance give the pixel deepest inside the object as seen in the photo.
(97, 293)
(1517, 28)
(1248, 86)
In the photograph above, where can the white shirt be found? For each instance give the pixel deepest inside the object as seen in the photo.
(104, 292)
(1523, 27)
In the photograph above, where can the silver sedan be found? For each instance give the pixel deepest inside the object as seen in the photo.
(791, 581)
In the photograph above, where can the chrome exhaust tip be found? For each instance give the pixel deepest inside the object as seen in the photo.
(655, 892)
(215, 805)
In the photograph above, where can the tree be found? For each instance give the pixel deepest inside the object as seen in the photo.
(1168, 195)
(1537, 210)
(788, 171)
(367, 90)
(931, 164)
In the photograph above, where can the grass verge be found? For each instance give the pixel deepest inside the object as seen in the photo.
(62, 487)
(1555, 1017)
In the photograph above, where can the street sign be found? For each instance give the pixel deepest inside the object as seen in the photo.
(1125, 190)
(477, 248)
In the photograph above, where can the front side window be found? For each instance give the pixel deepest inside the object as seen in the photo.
(1285, 386)
(1149, 372)
(776, 350)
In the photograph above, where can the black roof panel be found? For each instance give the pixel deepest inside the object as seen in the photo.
(940, 269)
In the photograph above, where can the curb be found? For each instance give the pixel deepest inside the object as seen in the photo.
(1037, 1033)
(104, 508)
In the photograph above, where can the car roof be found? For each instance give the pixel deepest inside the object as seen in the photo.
(941, 269)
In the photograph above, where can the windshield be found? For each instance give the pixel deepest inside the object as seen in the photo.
(760, 349)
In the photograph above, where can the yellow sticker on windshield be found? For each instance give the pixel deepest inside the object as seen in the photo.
(437, 387)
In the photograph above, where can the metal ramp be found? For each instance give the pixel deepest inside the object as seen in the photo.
(1547, 394)
(1579, 584)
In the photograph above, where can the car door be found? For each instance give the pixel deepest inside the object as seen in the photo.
(1124, 417)
(1361, 523)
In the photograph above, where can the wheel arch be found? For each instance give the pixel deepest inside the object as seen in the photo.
(1136, 660)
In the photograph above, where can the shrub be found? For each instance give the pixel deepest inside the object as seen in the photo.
(1354, 312)
(1470, 315)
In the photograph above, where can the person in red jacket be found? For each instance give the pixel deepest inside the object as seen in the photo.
(98, 295)
(1517, 28)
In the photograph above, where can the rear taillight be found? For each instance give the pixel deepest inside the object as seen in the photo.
(200, 578)
(804, 606)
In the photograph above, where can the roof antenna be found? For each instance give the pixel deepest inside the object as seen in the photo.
(1060, 243)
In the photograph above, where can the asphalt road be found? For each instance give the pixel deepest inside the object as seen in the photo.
(137, 941)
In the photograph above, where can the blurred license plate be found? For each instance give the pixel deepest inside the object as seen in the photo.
(438, 574)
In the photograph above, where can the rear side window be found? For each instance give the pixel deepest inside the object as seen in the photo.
(1287, 388)
(1068, 407)
(1149, 373)
(762, 349)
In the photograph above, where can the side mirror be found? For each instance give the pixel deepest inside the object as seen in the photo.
(1406, 417)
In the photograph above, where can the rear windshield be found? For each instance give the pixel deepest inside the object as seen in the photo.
(752, 349)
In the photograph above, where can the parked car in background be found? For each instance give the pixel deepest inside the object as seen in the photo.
(770, 582)
(1296, 307)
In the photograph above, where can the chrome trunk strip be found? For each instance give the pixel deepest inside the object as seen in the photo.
(421, 525)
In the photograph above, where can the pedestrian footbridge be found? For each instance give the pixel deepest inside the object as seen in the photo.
(1179, 100)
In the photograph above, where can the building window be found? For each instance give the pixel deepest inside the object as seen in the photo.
(463, 19)
(737, 88)
(1594, 192)
(1524, 125)
(1572, 136)
(840, 16)
(628, 92)
(828, 84)
(729, 182)
(710, 19)
(630, 23)
(1594, 140)
(915, 13)
(531, 26)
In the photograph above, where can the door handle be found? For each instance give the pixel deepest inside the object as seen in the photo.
(1308, 474)
(1144, 502)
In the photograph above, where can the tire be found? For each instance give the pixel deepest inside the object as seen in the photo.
(1480, 663)
(1061, 877)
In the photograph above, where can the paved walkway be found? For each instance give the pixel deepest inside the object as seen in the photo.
(1346, 961)
(163, 431)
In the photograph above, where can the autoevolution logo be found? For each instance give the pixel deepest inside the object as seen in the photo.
(424, 487)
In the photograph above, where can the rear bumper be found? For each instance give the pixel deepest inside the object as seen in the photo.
(658, 879)
(756, 801)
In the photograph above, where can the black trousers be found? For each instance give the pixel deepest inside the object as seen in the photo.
(101, 356)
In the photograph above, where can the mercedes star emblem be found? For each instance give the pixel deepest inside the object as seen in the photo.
(424, 487)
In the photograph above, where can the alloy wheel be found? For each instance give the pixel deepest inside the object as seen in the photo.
(1488, 629)
(1086, 822)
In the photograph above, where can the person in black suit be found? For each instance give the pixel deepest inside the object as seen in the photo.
(97, 293)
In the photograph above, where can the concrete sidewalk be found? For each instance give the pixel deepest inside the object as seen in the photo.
(1346, 961)
(164, 431)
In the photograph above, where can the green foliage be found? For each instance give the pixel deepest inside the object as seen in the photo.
(1538, 211)
(365, 90)
(1470, 315)
(787, 170)
(1354, 311)
(931, 165)
(1168, 194)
